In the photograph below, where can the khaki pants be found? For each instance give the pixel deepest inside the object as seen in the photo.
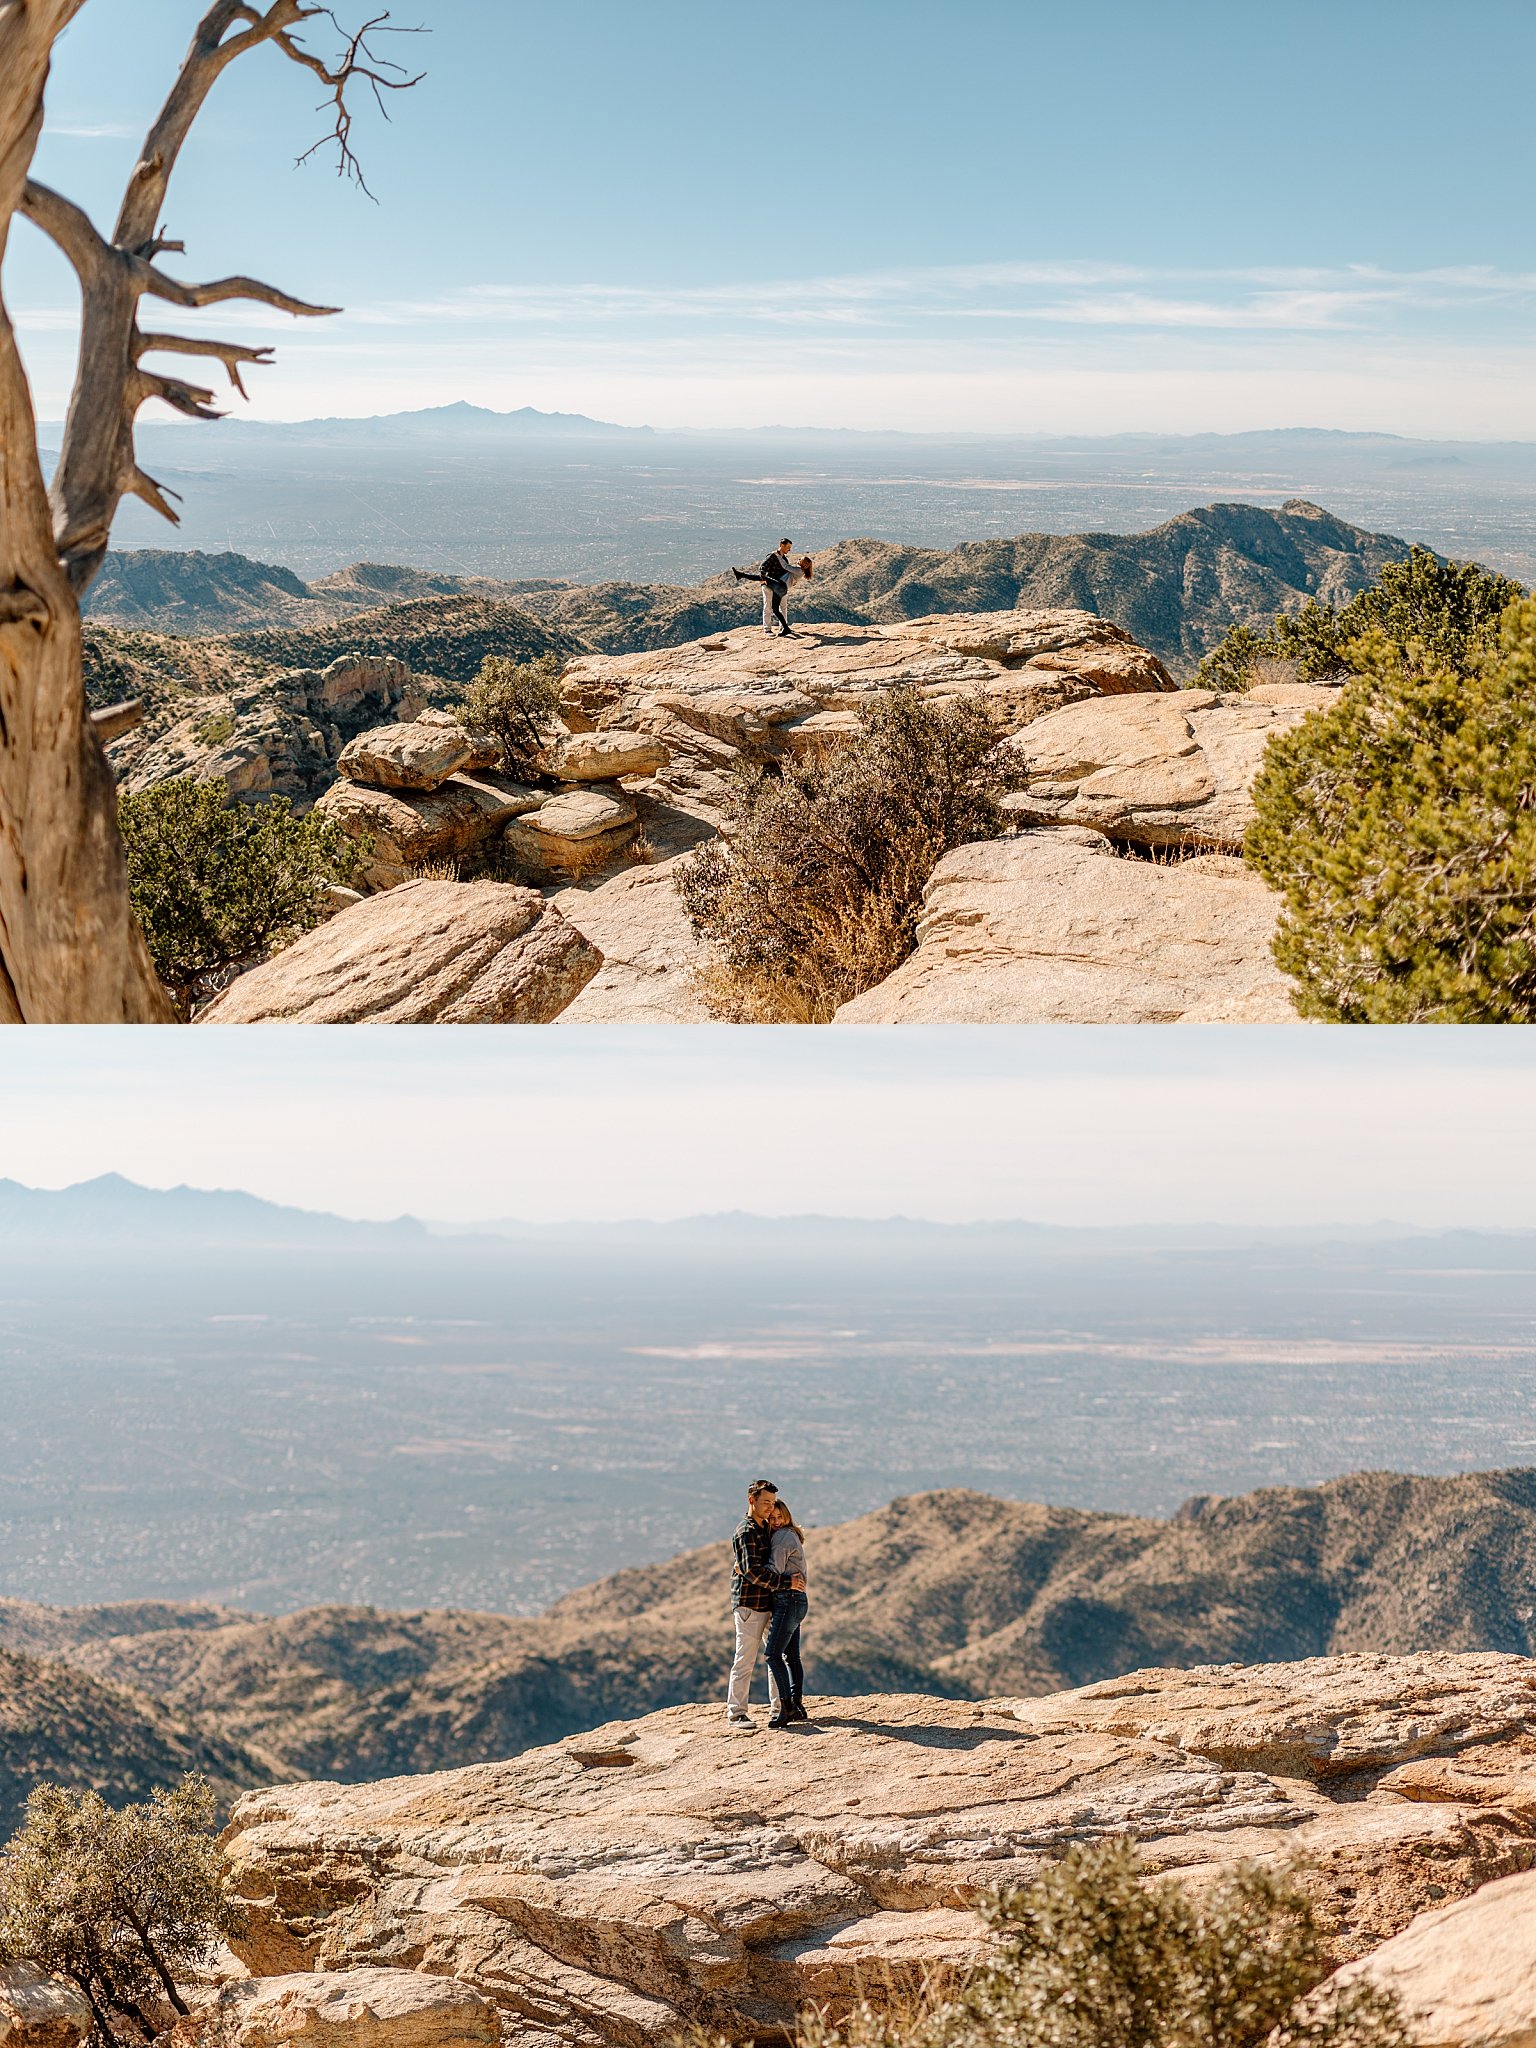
(751, 1627)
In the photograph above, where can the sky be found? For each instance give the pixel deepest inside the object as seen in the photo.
(995, 215)
(1290, 1125)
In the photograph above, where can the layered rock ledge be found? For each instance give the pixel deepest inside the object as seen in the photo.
(664, 1872)
(741, 695)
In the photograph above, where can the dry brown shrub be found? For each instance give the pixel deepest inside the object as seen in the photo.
(812, 892)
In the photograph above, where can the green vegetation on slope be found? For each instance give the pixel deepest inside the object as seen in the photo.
(217, 886)
(1100, 1953)
(1400, 828)
(1426, 608)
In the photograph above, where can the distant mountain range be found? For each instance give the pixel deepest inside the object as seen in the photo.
(953, 1592)
(1177, 589)
(113, 1211)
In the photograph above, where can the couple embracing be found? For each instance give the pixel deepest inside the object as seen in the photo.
(768, 1602)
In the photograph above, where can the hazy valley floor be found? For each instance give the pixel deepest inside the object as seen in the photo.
(490, 1424)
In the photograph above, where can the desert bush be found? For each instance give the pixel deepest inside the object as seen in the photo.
(1449, 611)
(216, 885)
(1099, 1954)
(518, 704)
(811, 894)
(1400, 829)
(118, 1902)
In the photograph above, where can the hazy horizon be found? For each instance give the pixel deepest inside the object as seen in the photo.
(880, 240)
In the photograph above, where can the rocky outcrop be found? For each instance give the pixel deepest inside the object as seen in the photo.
(652, 956)
(425, 953)
(1465, 1973)
(1055, 927)
(419, 753)
(41, 2012)
(573, 832)
(279, 735)
(662, 1873)
(404, 830)
(741, 695)
(1172, 771)
(368, 2008)
(424, 793)
(603, 756)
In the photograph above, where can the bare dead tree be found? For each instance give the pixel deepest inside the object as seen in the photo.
(70, 950)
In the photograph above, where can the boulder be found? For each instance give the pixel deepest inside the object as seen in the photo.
(1055, 927)
(604, 756)
(410, 828)
(663, 1873)
(1466, 1973)
(575, 832)
(40, 2012)
(425, 953)
(419, 754)
(368, 2008)
(742, 695)
(651, 953)
(1156, 770)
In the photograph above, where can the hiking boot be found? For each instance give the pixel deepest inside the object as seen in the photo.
(797, 1712)
(782, 1718)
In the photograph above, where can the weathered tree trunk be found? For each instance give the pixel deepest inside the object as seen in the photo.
(70, 949)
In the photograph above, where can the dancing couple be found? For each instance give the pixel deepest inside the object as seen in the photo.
(768, 1602)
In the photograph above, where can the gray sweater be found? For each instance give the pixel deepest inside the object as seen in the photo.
(789, 1553)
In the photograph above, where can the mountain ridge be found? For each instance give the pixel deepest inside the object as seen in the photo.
(953, 1593)
(114, 1210)
(1176, 588)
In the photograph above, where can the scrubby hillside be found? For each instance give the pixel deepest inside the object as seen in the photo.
(59, 1723)
(163, 590)
(950, 1593)
(1176, 589)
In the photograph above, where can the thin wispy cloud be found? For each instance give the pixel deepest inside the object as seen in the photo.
(90, 131)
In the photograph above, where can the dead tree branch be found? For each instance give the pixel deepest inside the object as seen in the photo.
(97, 464)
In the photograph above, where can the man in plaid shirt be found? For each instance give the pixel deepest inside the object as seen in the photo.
(753, 1585)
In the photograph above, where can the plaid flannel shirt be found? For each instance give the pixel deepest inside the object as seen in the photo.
(753, 1579)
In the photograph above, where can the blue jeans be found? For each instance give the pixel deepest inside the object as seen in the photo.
(782, 1648)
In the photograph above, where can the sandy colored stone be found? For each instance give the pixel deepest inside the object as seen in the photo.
(366, 2008)
(417, 754)
(661, 1872)
(1156, 771)
(40, 2012)
(651, 953)
(758, 698)
(425, 953)
(604, 756)
(412, 828)
(575, 832)
(1324, 1717)
(1466, 1973)
(1055, 927)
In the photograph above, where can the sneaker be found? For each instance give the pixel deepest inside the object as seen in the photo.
(742, 1723)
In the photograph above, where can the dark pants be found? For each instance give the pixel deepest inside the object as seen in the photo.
(773, 609)
(782, 1648)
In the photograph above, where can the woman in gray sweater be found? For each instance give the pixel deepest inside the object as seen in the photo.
(782, 1648)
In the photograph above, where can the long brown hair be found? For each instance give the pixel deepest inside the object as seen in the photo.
(789, 1520)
